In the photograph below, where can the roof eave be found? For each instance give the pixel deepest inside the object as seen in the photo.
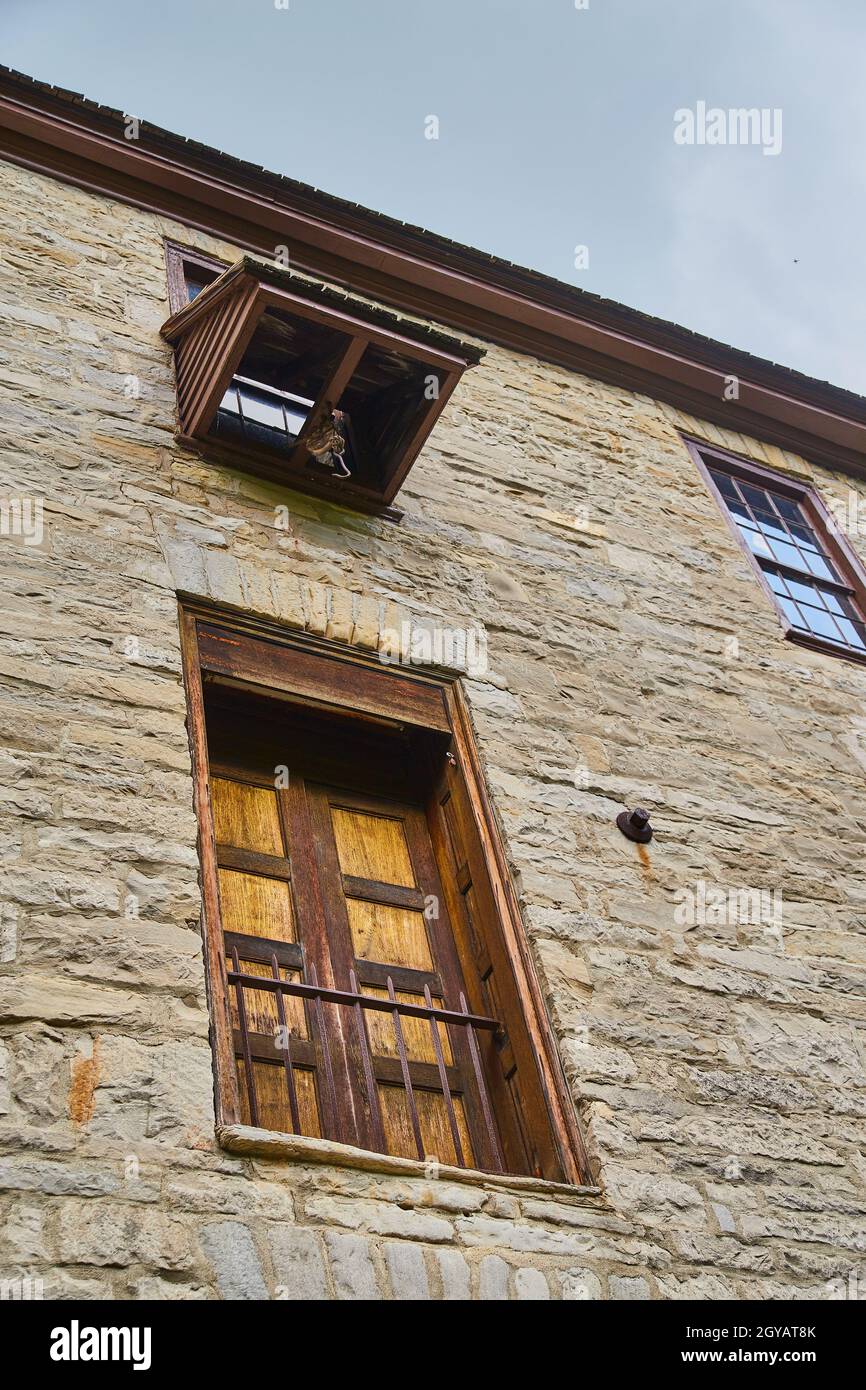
(75, 140)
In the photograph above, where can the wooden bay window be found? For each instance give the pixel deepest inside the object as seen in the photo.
(305, 384)
(369, 981)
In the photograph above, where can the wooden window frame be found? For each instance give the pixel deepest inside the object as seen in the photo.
(211, 333)
(178, 260)
(324, 675)
(817, 515)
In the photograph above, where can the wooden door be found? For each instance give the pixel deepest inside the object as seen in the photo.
(341, 887)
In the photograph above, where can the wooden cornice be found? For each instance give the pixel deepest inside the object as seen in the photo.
(69, 138)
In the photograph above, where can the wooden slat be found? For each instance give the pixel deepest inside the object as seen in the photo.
(389, 894)
(375, 973)
(425, 1075)
(260, 948)
(263, 1048)
(247, 861)
(208, 354)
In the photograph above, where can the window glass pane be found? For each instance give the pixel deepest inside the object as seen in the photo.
(791, 612)
(777, 583)
(772, 525)
(820, 622)
(261, 410)
(788, 555)
(804, 535)
(833, 602)
(757, 543)
(802, 591)
(847, 607)
(854, 633)
(790, 510)
(819, 566)
(756, 497)
(740, 512)
(725, 484)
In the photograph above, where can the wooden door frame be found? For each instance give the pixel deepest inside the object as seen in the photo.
(436, 692)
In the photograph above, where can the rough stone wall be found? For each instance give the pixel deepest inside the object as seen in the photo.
(717, 1068)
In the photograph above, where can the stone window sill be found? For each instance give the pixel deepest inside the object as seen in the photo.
(266, 1143)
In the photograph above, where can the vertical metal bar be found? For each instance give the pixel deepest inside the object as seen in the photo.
(482, 1089)
(245, 1042)
(287, 1050)
(443, 1077)
(404, 1065)
(372, 1094)
(325, 1046)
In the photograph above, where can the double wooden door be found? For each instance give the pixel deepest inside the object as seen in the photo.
(342, 888)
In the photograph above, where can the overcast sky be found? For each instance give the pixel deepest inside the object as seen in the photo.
(556, 130)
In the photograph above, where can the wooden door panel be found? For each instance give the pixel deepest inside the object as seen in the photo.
(272, 1098)
(254, 905)
(435, 1126)
(381, 848)
(416, 1031)
(260, 1006)
(246, 816)
(372, 846)
(253, 830)
(391, 935)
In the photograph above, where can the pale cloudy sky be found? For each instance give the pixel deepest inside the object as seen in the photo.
(555, 130)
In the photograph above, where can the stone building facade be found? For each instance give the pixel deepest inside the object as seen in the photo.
(715, 1064)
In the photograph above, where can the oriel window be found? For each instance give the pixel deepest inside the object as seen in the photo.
(304, 383)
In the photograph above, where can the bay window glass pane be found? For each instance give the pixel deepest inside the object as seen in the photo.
(802, 592)
(757, 543)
